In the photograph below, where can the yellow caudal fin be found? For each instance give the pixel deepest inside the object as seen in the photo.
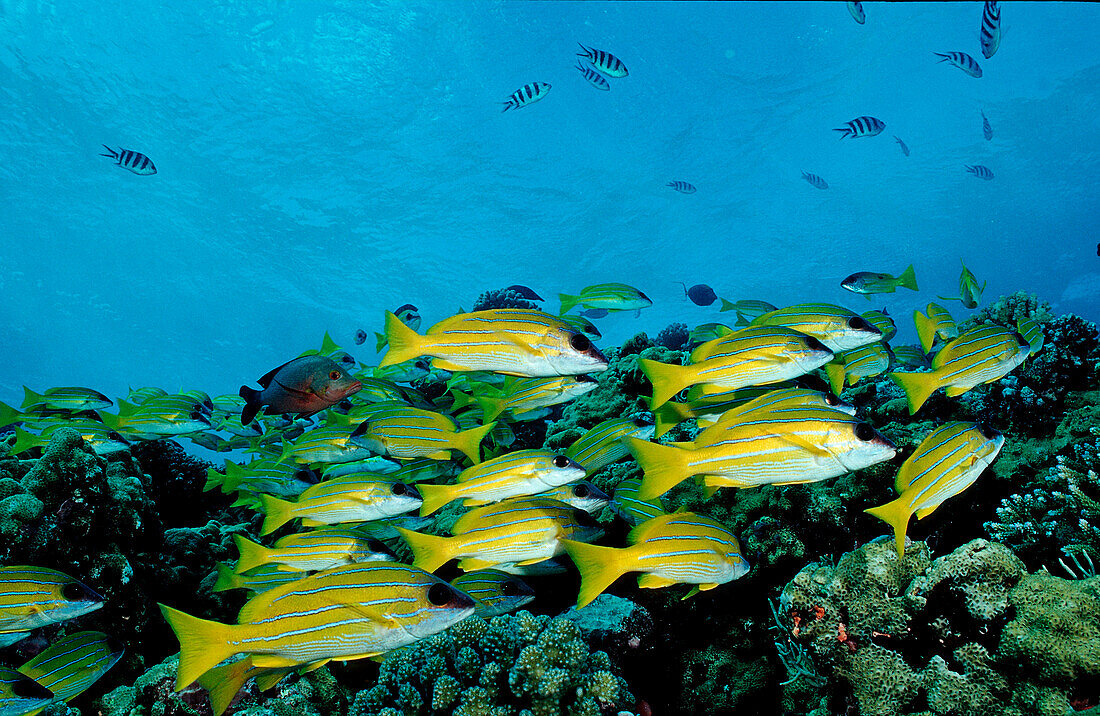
(665, 466)
(599, 568)
(667, 379)
(8, 415)
(491, 405)
(670, 415)
(567, 302)
(223, 683)
(227, 579)
(24, 441)
(954, 391)
(203, 644)
(435, 496)
(269, 679)
(726, 306)
(917, 386)
(276, 513)
(468, 442)
(908, 279)
(31, 398)
(429, 551)
(405, 343)
(926, 330)
(252, 555)
(896, 514)
(836, 373)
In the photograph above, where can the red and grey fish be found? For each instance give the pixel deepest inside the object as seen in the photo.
(304, 385)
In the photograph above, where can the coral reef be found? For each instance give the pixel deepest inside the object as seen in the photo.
(969, 634)
(1006, 310)
(502, 298)
(674, 337)
(519, 664)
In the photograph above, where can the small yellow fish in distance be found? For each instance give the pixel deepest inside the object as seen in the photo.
(784, 447)
(608, 296)
(350, 612)
(946, 462)
(757, 355)
(981, 355)
(72, 398)
(863, 362)
(407, 433)
(882, 321)
(681, 548)
(516, 474)
(934, 324)
(869, 282)
(513, 341)
(837, 327)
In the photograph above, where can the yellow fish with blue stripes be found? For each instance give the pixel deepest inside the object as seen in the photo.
(350, 612)
(495, 592)
(71, 664)
(681, 548)
(68, 398)
(935, 324)
(258, 579)
(1032, 333)
(607, 296)
(532, 398)
(863, 362)
(583, 495)
(945, 463)
(519, 473)
(21, 695)
(513, 341)
(34, 597)
(981, 355)
(405, 433)
(882, 321)
(626, 504)
(757, 355)
(837, 327)
(311, 551)
(352, 498)
(603, 443)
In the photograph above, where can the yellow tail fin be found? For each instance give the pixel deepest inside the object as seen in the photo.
(203, 644)
(917, 386)
(835, 372)
(667, 379)
(25, 441)
(223, 683)
(599, 568)
(276, 513)
(468, 442)
(896, 514)
(9, 415)
(251, 554)
(435, 496)
(429, 551)
(405, 343)
(491, 405)
(665, 466)
(670, 415)
(227, 579)
(31, 398)
(567, 303)
(926, 331)
(908, 279)
(726, 306)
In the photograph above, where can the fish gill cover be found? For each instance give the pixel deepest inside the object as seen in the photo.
(294, 312)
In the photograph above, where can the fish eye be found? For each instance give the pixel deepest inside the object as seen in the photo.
(114, 436)
(345, 404)
(73, 592)
(510, 588)
(440, 594)
(580, 490)
(376, 546)
(642, 422)
(832, 400)
(864, 432)
(399, 488)
(858, 324)
(334, 375)
(579, 342)
(197, 415)
(561, 461)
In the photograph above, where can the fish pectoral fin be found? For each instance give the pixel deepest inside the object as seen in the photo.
(925, 511)
(472, 564)
(955, 390)
(691, 593)
(474, 502)
(439, 455)
(528, 562)
(444, 364)
(652, 581)
(376, 655)
(273, 661)
(313, 666)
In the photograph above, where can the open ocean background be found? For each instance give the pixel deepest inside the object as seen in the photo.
(322, 161)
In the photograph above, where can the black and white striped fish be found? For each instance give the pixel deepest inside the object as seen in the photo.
(861, 127)
(991, 29)
(527, 94)
(136, 162)
(605, 62)
(987, 128)
(904, 148)
(594, 78)
(815, 180)
(856, 8)
(682, 186)
(980, 170)
(963, 61)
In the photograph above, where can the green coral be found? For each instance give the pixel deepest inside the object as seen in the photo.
(512, 665)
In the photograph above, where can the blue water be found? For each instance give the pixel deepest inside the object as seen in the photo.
(320, 162)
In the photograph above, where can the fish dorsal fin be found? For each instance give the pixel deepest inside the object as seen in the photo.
(266, 378)
(125, 409)
(328, 346)
(650, 527)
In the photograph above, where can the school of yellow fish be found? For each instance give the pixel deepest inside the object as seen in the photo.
(381, 457)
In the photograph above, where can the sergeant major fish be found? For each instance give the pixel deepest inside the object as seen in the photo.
(594, 78)
(861, 127)
(980, 170)
(682, 186)
(815, 181)
(987, 128)
(857, 12)
(963, 61)
(902, 145)
(990, 35)
(527, 95)
(605, 62)
(136, 162)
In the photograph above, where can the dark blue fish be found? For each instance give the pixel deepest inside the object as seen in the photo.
(991, 29)
(856, 9)
(987, 128)
(136, 162)
(593, 312)
(700, 294)
(682, 186)
(963, 61)
(594, 78)
(527, 94)
(980, 170)
(524, 292)
(605, 62)
(904, 149)
(861, 127)
(815, 180)
(360, 337)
